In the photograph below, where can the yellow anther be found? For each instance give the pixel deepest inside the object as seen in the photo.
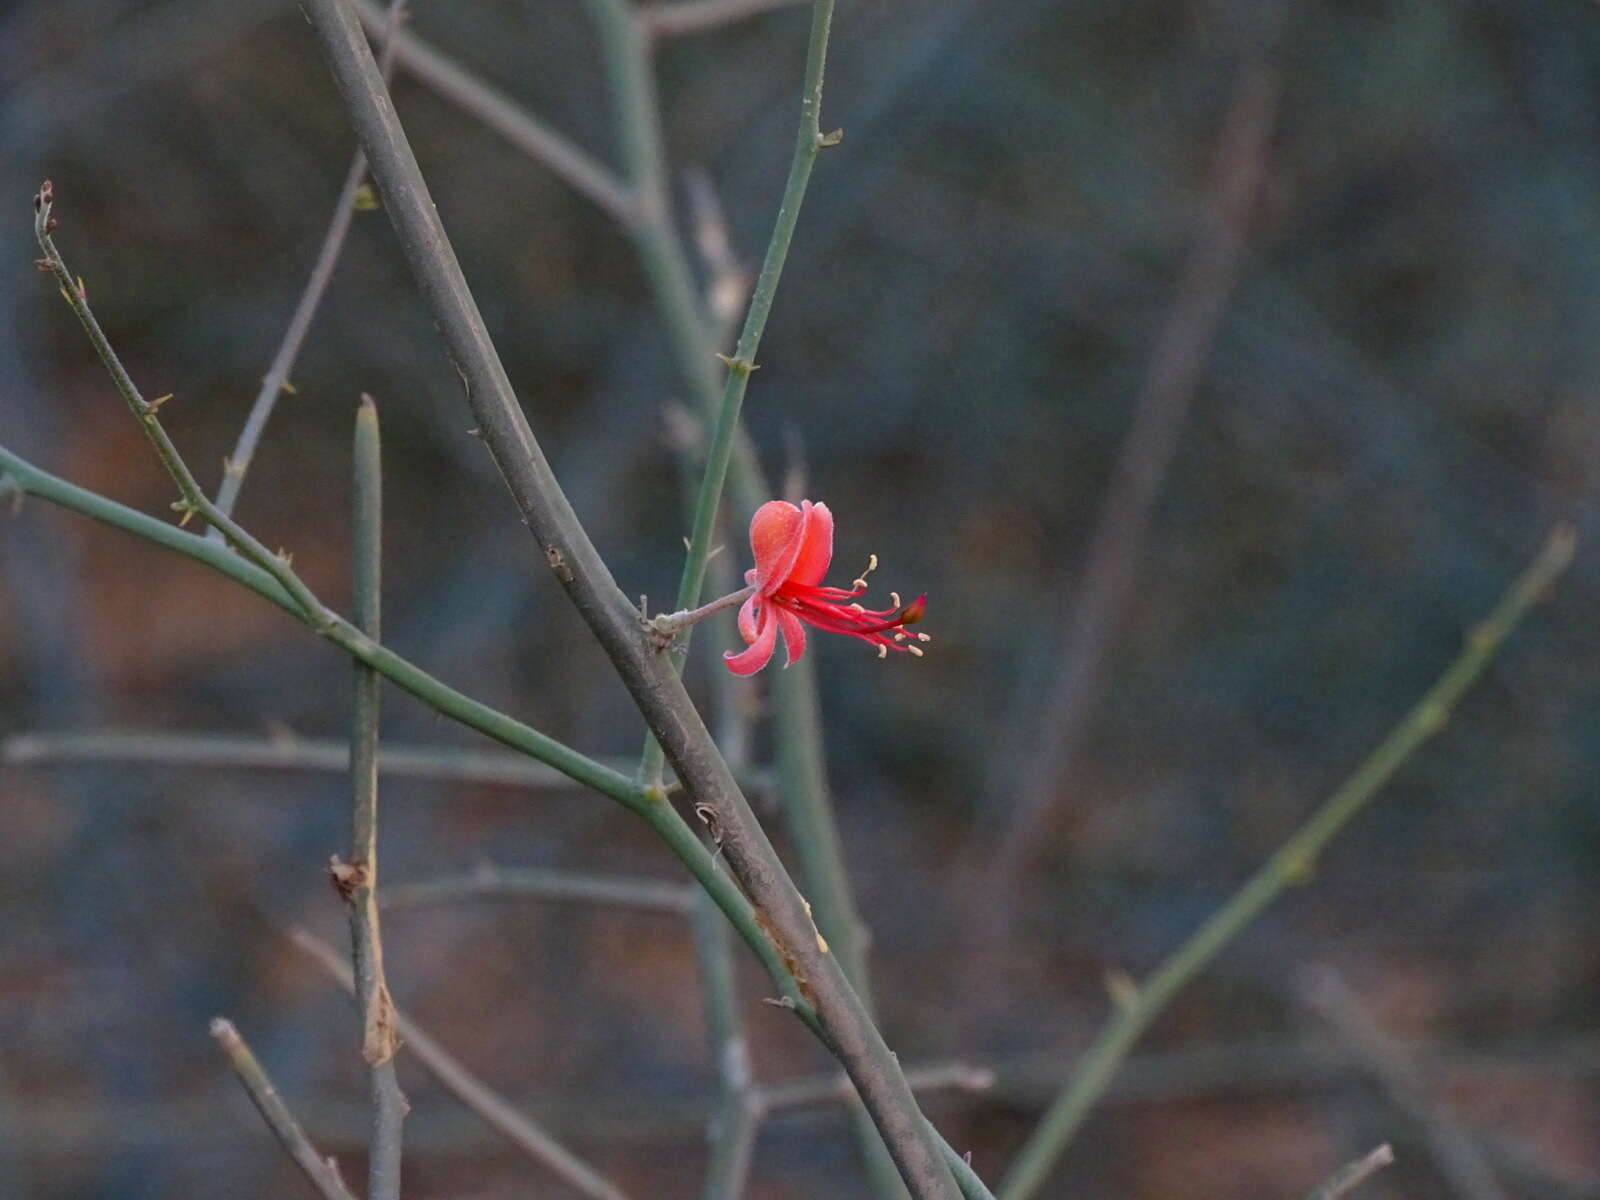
(872, 565)
(883, 651)
(917, 650)
(858, 608)
(924, 637)
(894, 599)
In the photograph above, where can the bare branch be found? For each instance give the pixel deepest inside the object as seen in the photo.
(321, 1172)
(277, 379)
(664, 19)
(452, 82)
(357, 879)
(573, 559)
(1350, 1176)
(509, 883)
(497, 1112)
(290, 752)
(1455, 1152)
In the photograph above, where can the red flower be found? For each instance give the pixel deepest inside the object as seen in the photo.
(792, 548)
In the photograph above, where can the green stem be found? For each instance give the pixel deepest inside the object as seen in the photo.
(650, 804)
(576, 563)
(1292, 863)
(357, 879)
(664, 259)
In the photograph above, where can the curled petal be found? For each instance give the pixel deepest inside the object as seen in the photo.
(775, 535)
(794, 635)
(759, 654)
(748, 620)
(816, 545)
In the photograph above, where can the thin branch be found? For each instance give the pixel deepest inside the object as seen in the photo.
(1095, 600)
(290, 752)
(572, 557)
(663, 19)
(277, 379)
(1350, 1176)
(452, 82)
(357, 878)
(192, 500)
(651, 806)
(736, 1118)
(1292, 862)
(1455, 1152)
(496, 1111)
(668, 624)
(489, 882)
(322, 1173)
(284, 753)
(836, 1089)
(808, 814)
(438, 695)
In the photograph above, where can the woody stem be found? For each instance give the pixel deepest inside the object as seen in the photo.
(668, 624)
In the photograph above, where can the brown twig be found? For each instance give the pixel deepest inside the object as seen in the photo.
(496, 1111)
(277, 379)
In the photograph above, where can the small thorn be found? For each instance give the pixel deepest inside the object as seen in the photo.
(740, 365)
(289, 387)
(830, 139)
(44, 265)
(475, 432)
(83, 292)
(152, 405)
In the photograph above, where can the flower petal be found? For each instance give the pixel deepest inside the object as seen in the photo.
(794, 635)
(775, 535)
(748, 620)
(816, 545)
(759, 654)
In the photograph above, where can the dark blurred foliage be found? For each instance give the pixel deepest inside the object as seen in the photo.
(1398, 405)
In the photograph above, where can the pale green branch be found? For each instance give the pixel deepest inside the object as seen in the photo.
(1292, 863)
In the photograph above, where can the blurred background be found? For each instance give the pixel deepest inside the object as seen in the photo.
(1003, 280)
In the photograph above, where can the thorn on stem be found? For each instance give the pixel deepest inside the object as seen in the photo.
(830, 139)
(740, 366)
